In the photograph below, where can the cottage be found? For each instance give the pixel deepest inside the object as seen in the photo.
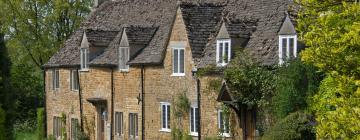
(122, 73)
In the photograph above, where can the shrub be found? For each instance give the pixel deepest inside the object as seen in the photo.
(40, 124)
(296, 126)
(2, 124)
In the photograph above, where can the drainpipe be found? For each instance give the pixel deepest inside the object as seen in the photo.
(112, 105)
(142, 104)
(198, 100)
(45, 117)
(80, 101)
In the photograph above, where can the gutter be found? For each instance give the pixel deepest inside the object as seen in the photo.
(112, 105)
(142, 104)
(80, 101)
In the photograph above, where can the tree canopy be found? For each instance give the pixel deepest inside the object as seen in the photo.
(331, 29)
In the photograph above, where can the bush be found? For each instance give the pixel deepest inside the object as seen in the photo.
(2, 124)
(296, 126)
(294, 84)
(40, 124)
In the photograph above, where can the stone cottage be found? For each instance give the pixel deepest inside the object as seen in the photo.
(132, 65)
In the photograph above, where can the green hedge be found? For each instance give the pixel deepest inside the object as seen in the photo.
(295, 126)
(40, 124)
(2, 124)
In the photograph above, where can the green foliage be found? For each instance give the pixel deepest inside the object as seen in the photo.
(295, 126)
(249, 82)
(331, 29)
(51, 137)
(295, 83)
(2, 124)
(182, 105)
(212, 138)
(40, 124)
(179, 134)
(63, 129)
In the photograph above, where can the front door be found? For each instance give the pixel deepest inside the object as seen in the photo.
(101, 123)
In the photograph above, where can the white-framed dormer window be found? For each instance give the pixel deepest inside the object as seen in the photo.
(223, 123)
(74, 85)
(124, 57)
(287, 47)
(56, 79)
(223, 52)
(194, 120)
(84, 58)
(165, 116)
(178, 57)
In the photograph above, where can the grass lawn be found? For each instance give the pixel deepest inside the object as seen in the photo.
(25, 136)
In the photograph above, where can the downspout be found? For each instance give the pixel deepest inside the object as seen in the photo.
(142, 104)
(199, 106)
(80, 101)
(112, 105)
(198, 100)
(45, 117)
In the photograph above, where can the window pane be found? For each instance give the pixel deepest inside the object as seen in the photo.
(196, 119)
(168, 117)
(291, 47)
(284, 46)
(136, 125)
(192, 119)
(163, 116)
(175, 61)
(181, 60)
(220, 50)
(221, 121)
(57, 79)
(226, 50)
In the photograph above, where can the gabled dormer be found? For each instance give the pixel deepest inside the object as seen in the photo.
(223, 47)
(84, 53)
(288, 48)
(124, 52)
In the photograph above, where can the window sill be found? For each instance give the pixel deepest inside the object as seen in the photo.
(84, 70)
(165, 130)
(226, 135)
(124, 70)
(221, 64)
(195, 134)
(178, 74)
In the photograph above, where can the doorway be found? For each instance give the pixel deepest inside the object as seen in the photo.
(101, 123)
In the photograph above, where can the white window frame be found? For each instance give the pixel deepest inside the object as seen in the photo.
(167, 120)
(294, 52)
(136, 125)
(76, 128)
(57, 126)
(218, 42)
(193, 133)
(121, 125)
(84, 65)
(178, 46)
(223, 134)
(126, 69)
(74, 80)
(56, 79)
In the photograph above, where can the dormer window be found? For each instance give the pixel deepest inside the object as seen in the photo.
(84, 59)
(287, 47)
(223, 52)
(124, 58)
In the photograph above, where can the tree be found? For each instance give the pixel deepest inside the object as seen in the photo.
(39, 27)
(331, 29)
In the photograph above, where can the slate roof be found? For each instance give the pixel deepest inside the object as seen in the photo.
(200, 22)
(259, 21)
(99, 38)
(138, 37)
